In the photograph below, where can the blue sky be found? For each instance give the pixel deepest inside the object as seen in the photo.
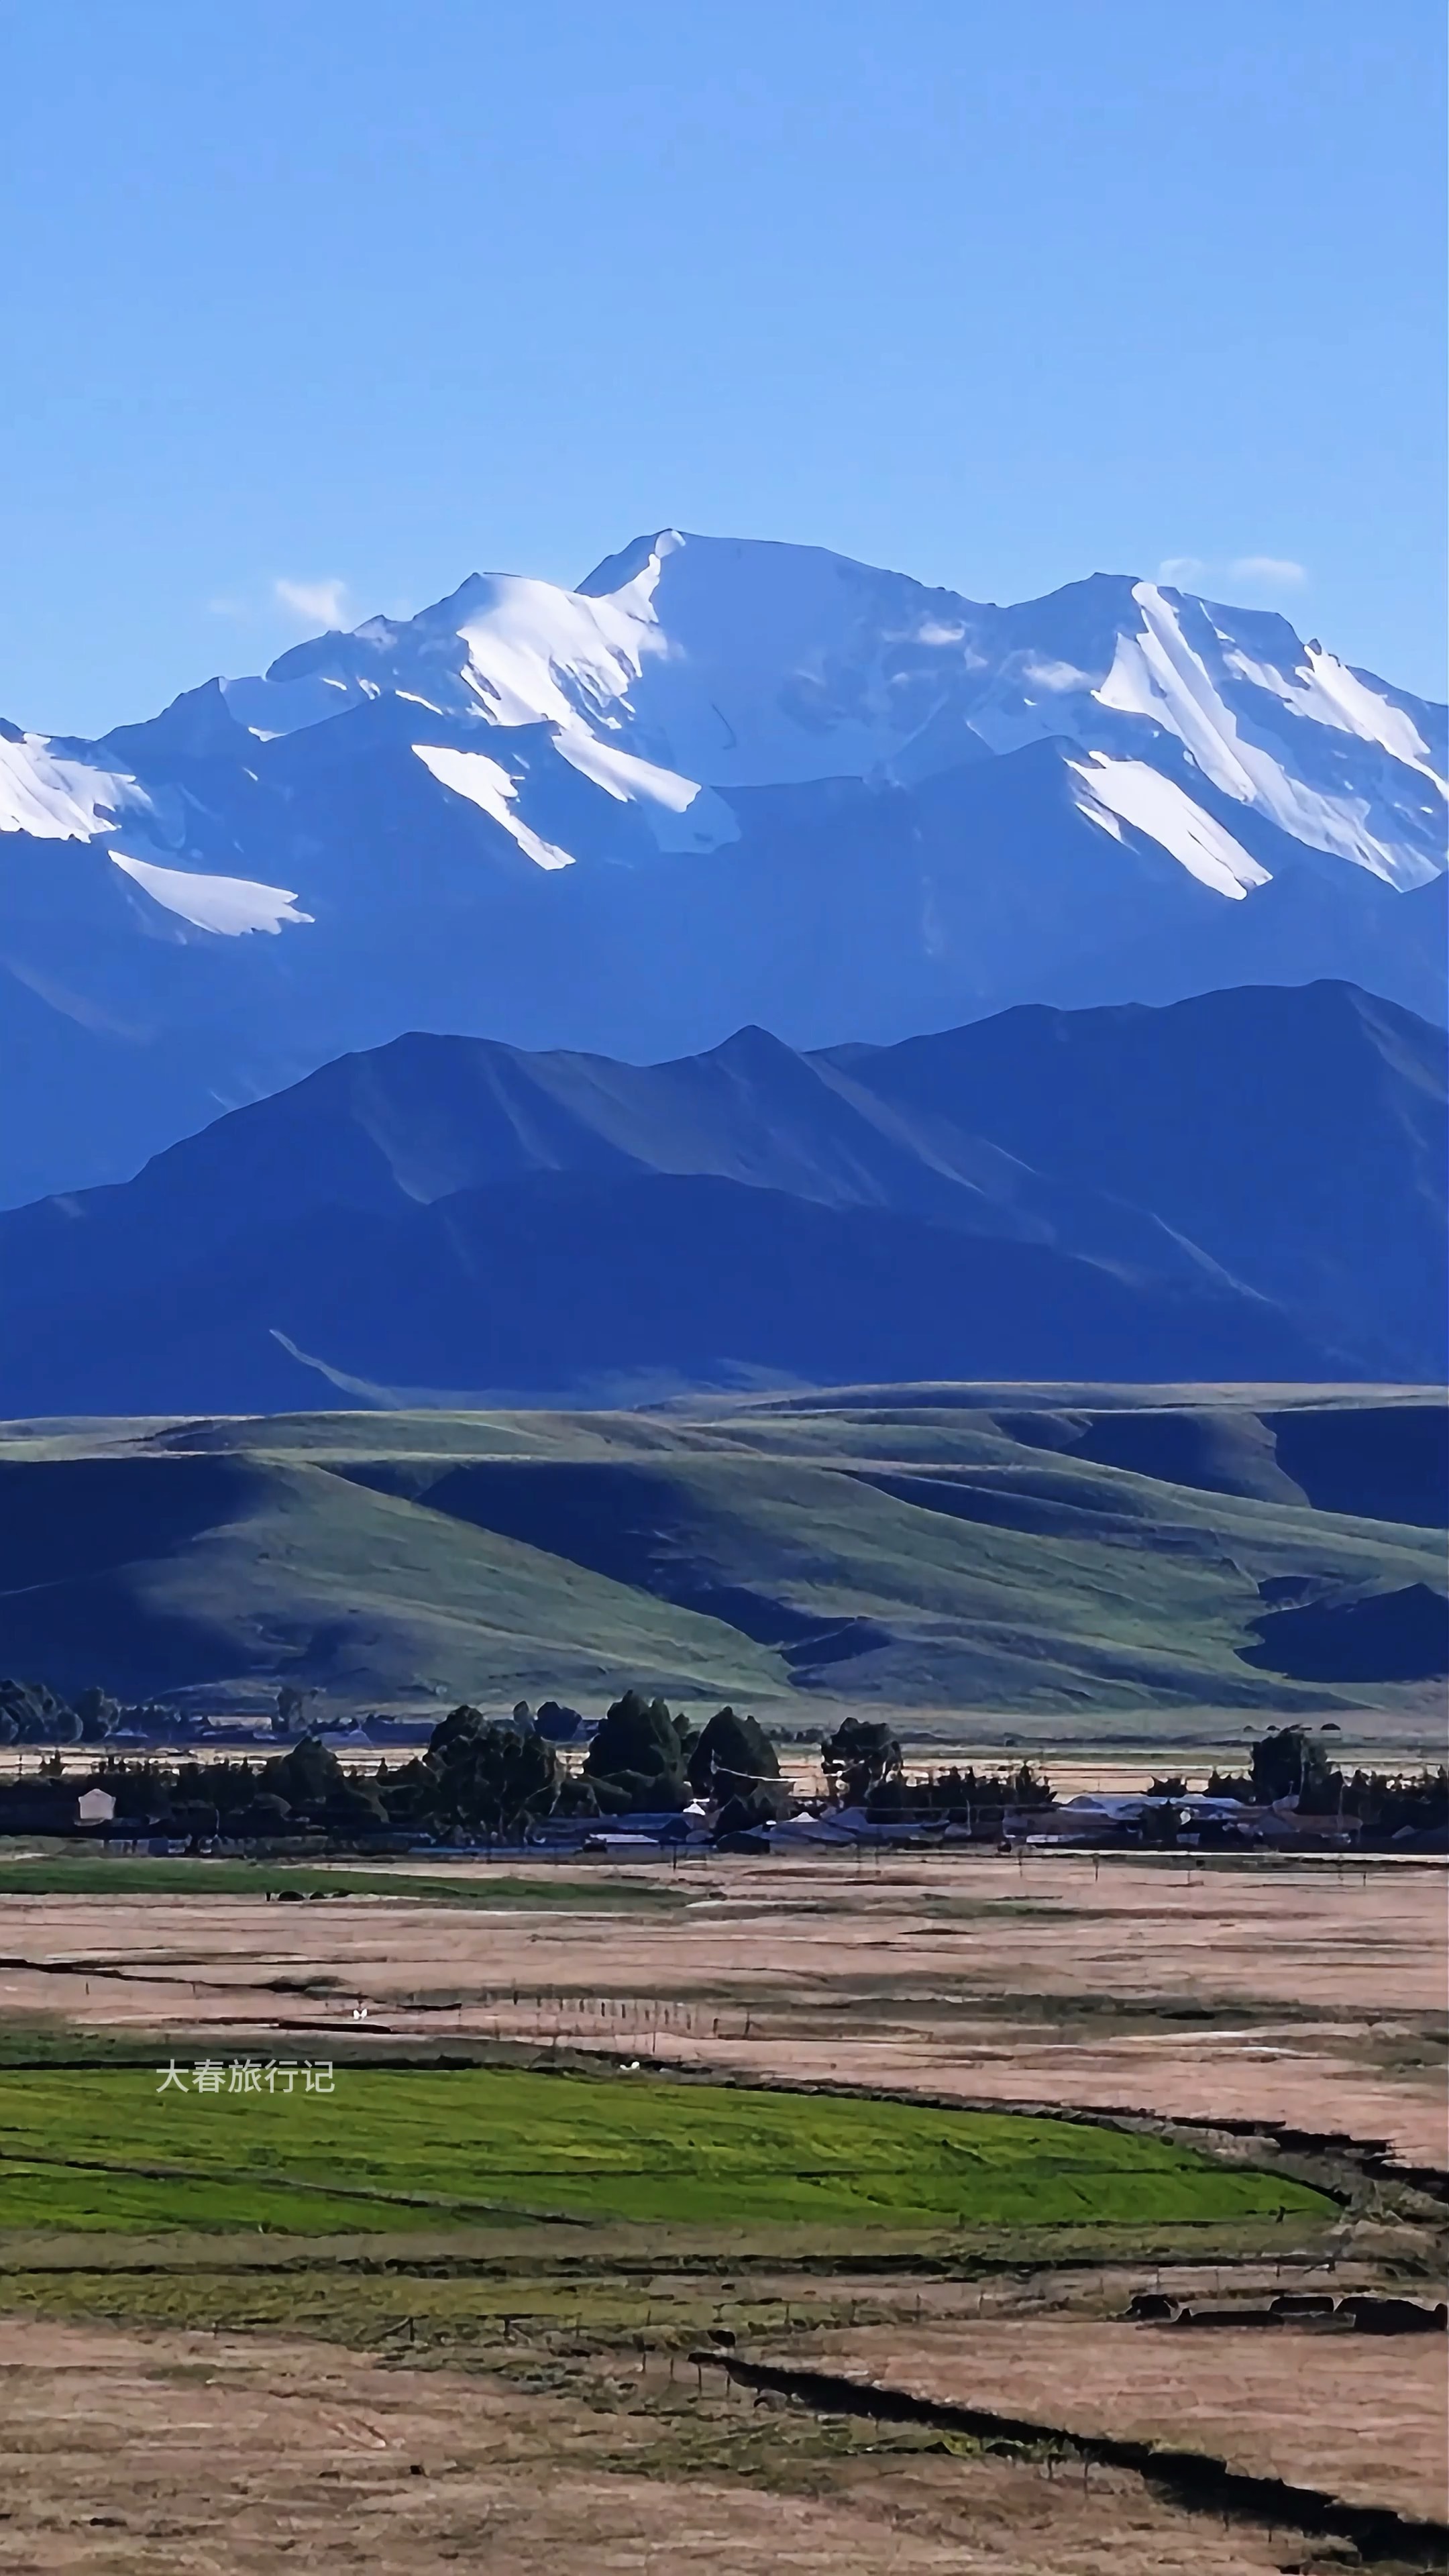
(327, 306)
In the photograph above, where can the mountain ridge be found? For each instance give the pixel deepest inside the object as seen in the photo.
(1249, 1185)
(722, 781)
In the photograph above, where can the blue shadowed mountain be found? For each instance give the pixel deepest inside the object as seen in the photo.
(1248, 1185)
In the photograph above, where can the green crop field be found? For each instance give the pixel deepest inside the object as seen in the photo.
(81, 1870)
(102, 2148)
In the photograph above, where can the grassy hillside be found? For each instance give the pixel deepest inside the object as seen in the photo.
(162, 1572)
(1052, 1549)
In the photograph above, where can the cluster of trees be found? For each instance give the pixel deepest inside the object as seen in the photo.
(32, 1713)
(1396, 1803)
(966, 1796)
(498, 1776)
(482, 1774)
(478, 1775)
(864, 1767)
(1290, 1761)
(304, 1790)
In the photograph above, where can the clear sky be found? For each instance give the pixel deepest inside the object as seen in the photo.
(326, 303)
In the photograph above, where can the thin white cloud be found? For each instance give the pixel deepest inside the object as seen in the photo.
(1269, 572)
(1251, 572)
(317, 603)
(1057, 676)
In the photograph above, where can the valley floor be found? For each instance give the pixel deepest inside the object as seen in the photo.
(1305, 1993)
(520, 2388)
(231, 2454)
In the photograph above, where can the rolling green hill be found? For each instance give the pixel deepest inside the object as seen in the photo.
(1010, 1548)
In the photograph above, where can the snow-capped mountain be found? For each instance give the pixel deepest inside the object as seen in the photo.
(691, 665)
(719, 782)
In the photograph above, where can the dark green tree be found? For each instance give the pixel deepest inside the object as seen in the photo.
(488, 1777)
(638, 1751)
(194, 1818)
(859, 1758)
(1289, 1759)
(290, 1703)
(734, 1758)
(40, 1715)
(458, 1727)
(306, 1777)
(264, 1819)
(354, 1809)
(99, 1714)
(557, 1721)
(1158, 1828)
(577, 1796)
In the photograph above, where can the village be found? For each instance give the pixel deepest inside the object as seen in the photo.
(640, 1782)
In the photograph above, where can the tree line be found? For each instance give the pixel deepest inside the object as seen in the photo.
(481, 1775)
(477, 1775)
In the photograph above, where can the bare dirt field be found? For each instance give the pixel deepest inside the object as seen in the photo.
(223, 2455)
(1305, 1993)
(1313, 2407)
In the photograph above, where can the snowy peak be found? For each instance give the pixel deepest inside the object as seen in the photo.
(501, 648)
(949, 792)
(722, 663)
(55, 798)
(1187, 673)
(501, 655)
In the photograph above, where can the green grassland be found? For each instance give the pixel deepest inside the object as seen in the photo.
(104, 2148)
(79, 1869)
(164, 1569)
(1080, 1552)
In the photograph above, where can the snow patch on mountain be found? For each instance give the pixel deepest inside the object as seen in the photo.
(503, 648)
(1332, 694)
(485, 784)
(270, 708)
(1157, 674)
(229, 905)
(540, 654)
(55, 799)
(680, 813)
(1167, 814)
